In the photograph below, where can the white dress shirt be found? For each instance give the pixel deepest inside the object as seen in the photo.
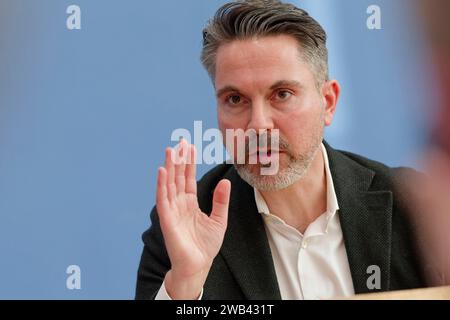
(312, 265)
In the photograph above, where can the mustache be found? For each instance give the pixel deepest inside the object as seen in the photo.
(265, 143)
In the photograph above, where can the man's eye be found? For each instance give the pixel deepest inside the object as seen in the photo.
(234, 99)
(283, 95)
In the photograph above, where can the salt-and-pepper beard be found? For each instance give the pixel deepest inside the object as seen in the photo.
(298, 164)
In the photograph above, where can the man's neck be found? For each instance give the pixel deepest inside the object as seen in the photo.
(305, 200)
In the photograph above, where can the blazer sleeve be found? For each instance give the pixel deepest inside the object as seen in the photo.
(154, 262)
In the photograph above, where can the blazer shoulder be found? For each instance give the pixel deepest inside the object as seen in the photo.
(386, 175)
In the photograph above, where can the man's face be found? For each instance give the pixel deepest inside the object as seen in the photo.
(264, 83)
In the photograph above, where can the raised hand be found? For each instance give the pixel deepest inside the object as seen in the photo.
(192, 238)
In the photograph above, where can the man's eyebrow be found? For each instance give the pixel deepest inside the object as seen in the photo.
(286, 83)
(226, 89)
(281, 83)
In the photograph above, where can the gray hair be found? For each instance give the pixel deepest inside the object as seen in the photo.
(245, 19)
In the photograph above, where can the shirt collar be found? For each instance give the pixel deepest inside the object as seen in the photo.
(332, 204)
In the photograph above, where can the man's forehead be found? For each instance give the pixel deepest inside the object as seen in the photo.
(263, 78)
(271, 59)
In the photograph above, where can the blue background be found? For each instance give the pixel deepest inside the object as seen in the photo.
(85, 116)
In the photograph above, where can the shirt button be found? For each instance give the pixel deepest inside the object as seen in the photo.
(304, 244)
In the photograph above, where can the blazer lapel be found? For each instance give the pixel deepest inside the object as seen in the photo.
(246, 248)
(365, 217)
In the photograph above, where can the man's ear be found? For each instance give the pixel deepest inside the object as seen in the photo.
(330, 96)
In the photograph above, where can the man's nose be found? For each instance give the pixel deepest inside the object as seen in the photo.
(261, 117)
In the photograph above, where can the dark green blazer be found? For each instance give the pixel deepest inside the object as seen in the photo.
(373, 218)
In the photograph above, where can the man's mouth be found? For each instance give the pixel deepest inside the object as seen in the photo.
(266, 156)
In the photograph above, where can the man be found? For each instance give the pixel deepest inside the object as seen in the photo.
(327, 224)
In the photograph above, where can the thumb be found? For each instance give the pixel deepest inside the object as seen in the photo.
(221, 200)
